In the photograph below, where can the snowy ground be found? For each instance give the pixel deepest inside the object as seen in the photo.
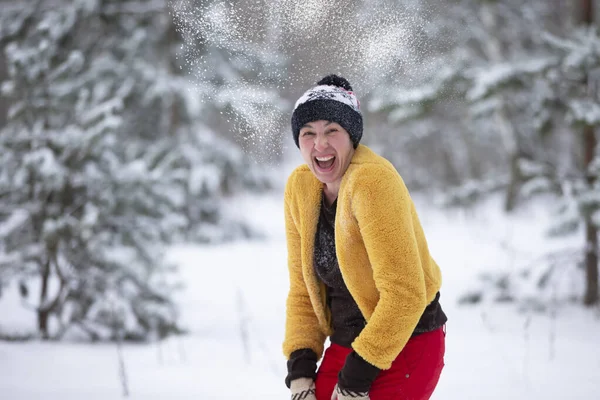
(234, 307)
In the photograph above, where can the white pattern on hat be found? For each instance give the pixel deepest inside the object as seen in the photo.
(328, 92)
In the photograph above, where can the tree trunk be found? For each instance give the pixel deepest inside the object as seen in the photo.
(589, 149)
(508, 132)
(174, 112)
(4, 100)
(591, 232)
(43, 311)
(587, 12)
(516, 178)
(451, 176)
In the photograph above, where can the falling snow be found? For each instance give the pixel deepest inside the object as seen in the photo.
(362, 42)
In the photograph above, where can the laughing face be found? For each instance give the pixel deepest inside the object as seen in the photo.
(327, 149)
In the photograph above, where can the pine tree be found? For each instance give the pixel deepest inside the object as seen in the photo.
(577, 87)
(516, 95)
(85, 199)
(102, 164)
(466, 108)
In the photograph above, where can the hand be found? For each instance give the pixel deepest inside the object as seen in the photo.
(343, 394)
(303, 389)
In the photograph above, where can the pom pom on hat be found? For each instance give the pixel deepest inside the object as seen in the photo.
(331, 100)
(335, 80)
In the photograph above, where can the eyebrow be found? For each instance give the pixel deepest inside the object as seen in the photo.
(308, 125)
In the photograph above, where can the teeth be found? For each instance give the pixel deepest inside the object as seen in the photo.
(324, 158)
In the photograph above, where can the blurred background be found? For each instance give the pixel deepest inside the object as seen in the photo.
(144, 146)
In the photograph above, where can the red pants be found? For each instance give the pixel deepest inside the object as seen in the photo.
(413, 376)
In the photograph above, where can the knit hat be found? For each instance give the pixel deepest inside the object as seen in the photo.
(331, 100)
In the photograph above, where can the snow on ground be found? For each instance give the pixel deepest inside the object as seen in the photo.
(233, 305)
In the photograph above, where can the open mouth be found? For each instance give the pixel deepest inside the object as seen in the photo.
(325, 163)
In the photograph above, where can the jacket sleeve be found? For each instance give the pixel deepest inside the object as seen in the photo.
(391, 234)
(302, 330)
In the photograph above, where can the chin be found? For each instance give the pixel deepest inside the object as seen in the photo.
(326, 179)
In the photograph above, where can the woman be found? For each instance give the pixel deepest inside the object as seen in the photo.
(360, 269)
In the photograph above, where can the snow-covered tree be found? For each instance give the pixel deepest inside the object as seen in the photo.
(85, 197)
(509, 105)
(577, 86)
(560, 89)
(471, 110)
(102, 164)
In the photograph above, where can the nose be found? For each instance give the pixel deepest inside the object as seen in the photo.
(320, 142)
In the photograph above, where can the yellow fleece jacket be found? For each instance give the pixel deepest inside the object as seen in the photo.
(382, 254)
